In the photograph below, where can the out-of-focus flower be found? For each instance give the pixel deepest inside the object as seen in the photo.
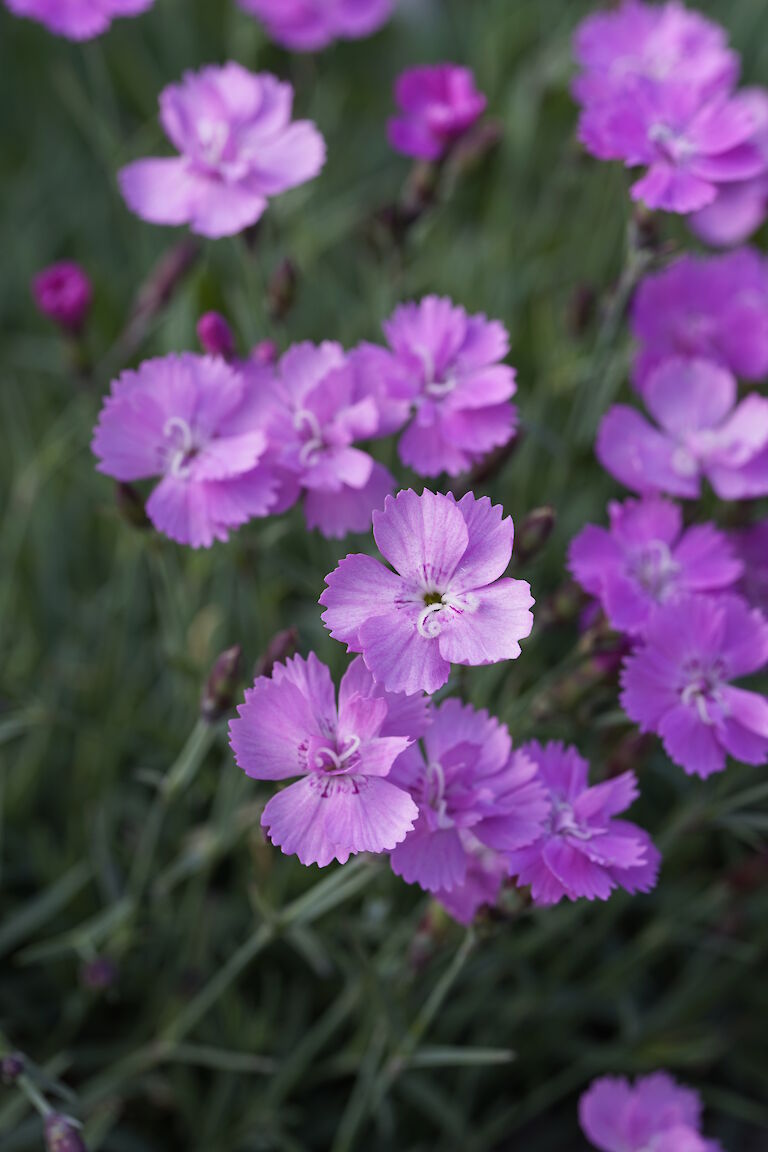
(437, 103)
(63, 293)
(215, 335)
(646, 559)
(190, 420)
(751, 545)
(450, 370)
(290, 726)
(310, 25)
(468, 781)
(77, 19)
(703, 432)
(709, 307)
(584, 852)
(653, 1113)
(62, 1134)
(445, 602)
(678, 682)
(486, 870)
(238, 146)
(11, 1067)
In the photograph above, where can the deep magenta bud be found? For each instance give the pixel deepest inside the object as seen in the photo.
(221, 685)
(63, 294)
(215, 336)
(265, 352)
(62, 1134)
(11, 1067)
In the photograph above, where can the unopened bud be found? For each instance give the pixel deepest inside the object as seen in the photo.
(62, 1134)
(646, 235)
(215, 336)
(99, 973)
(130, 505)
(62, 292)
(280, 648)
(533, 533)
(265, 352)
(158, 290)
(221, 686)
(581, 309)
(11, 1067)
(281, 292)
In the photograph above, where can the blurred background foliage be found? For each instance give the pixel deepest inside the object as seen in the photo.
(193, 988)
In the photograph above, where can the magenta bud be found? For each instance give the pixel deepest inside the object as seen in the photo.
(99, 973)
(215, 336)
(280, 648)
(265, 352)
(220, 687)
(62, 292)
(11, 1067)
(62, 1134)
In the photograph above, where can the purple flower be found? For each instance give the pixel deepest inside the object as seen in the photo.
(703, 433)
(584, 851)
(486, 870)
(237, 145)
(445, 602)
(62, 292)
(751, 545)
(318, 403)
(646, 559)
(437, 103)
(655, 1114)
(189, 420)
(741, 207)
(467, 781)
(678, 683)
(290, 726)
(712, 307)
(215, 335)
(449, 369)
(658, 43)
(310, 25)
(77, 19)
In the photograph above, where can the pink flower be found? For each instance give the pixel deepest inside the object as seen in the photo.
(187, 419)
(655, 1114)
(708, 307)
(77, 19)
(290, 726)
(703, 433)
(445, 602)
(678, 683)
(584, 852)
(437, 103)
(646, 559)
(237, 145)
(469, 782)
(310, 25)
(318, 403)
(449, 369)
(63, 293)
(486, 870)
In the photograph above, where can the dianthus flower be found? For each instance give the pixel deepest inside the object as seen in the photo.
(317, 404)
(751, 546)
(709, 307)
(703, 433)
(443, 604)
(677, 683)
(188, 420)
(584, 851)
(437, 103)
(63, 293)
(486, 871)
(238, 146)
(655, 1114)
(77, 19)
(450, 369)
(310, 25)
(646, 559)
(469, 781)
(291, 726)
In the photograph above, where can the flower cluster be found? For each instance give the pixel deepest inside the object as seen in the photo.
(653, 1113)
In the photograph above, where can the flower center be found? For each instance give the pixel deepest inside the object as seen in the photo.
(564, 823)
(307, 424)
(335, 760)
(212, 139)
(437, 606)
(672, 144)
(703, 691)
(183, 446)
(654, 568)
(434, 794)
(684, 462)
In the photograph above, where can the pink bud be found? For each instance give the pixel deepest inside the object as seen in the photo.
(63, 293)
(215, 336)
(265, 352)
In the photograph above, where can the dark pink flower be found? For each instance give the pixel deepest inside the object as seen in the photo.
(437, 103)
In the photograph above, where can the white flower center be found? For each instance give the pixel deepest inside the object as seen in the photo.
(434, 615)
(703, 691)
(434, 794)
(337, 761)
(654, 568)
(183, 446)
(305, 422)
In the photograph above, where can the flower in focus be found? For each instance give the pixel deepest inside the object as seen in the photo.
(709, 307)
(751, 547)
(655, 1114)
(445, 602)
(646, 558)
(238, 146)
(449, 368)
(468, 781)
(63, 293)
(290, 726)
(584, 852)
(310, 25)
(188, 420)
(438, 103)
(703, 433)
(77, 19)
(677, 683)
(317, 404)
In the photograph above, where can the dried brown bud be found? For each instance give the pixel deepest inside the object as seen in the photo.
(280, 648)
(534, 532)
(281, 292)
(221, 686)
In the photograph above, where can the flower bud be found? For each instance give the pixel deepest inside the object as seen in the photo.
(281, 292)
(280, 647)
(221, 686)
(131, 506)
(62, 292)
(215, 336)
(99, 973)
(265, 352)
(11, 1067)
(62, 1134)
(533, 533)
